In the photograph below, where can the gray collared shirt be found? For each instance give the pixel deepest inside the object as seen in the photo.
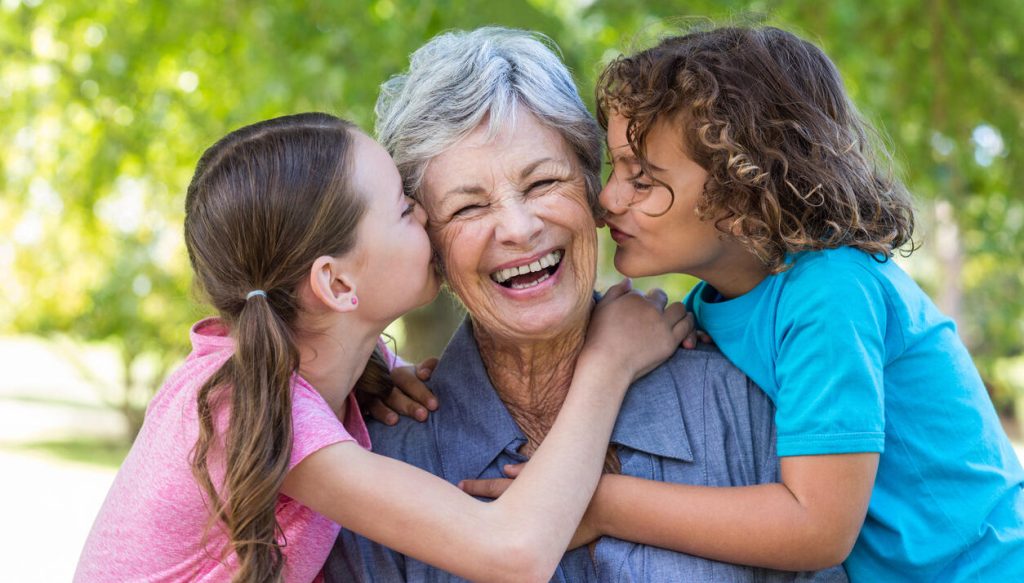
(696, 419)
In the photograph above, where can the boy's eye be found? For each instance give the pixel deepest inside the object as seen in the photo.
(641, 186)
(408, 209)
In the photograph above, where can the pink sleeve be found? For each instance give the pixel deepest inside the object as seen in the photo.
(314, 425)
(394, 361)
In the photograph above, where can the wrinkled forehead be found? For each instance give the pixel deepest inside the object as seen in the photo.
(496, 153)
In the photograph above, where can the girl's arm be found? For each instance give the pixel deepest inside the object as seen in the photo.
(523, 535)
(810, 521)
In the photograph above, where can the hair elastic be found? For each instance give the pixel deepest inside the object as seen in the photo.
(255, 292)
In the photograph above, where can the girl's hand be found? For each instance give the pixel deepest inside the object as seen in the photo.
(409, 396)
(633, 332)
(586, 532)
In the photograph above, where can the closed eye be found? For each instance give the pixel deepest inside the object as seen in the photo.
(541, 184)
(409, 208)
(467, 209)
(637, 184)
(640, 186)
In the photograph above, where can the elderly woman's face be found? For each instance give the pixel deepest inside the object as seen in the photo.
(510, 221)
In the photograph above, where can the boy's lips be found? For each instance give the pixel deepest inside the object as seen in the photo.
(618, 235)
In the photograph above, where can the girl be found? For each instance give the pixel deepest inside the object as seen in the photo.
(299, 234)
(737, 158)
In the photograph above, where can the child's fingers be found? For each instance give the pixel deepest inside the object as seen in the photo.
(400, 402)
(704, 337)
(492, 488)
(658, 296)
(407, 381)
(381, 412)
(685, 329)
(690, 342)
(675, 312)
(513, 470)
(620, 289)
(426, 368)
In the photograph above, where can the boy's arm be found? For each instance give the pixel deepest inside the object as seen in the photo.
(808, 522)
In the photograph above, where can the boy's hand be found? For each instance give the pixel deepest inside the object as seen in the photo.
(695, 336)
(634, 333)
(409, 396)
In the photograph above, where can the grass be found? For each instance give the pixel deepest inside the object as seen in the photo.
(104, 452)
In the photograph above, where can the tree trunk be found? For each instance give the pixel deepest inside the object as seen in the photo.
(950, 253)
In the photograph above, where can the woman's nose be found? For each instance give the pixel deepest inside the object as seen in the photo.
(518, 224)
(610, 196)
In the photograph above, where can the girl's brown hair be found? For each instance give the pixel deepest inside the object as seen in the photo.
(791, 164)
(265, 202)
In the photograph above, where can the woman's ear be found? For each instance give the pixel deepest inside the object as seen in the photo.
(332, 285)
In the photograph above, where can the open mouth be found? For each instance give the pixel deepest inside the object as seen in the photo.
(531, 274)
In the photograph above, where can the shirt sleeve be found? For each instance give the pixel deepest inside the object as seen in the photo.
(314, 424)
(829, 364)
(394, 361)
(355, 558)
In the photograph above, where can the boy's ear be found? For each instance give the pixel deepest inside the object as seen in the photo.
(332, 284)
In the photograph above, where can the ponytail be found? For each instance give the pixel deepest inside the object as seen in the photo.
(265, 201)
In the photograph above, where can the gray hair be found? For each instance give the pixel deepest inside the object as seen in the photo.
(459, 77)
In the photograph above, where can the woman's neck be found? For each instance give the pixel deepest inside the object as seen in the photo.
(532, 378)
(333, 358)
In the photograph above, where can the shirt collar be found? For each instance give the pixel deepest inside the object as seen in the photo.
(474, 427)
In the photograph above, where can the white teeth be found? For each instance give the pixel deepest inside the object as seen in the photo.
(531, 284)
(549, 260)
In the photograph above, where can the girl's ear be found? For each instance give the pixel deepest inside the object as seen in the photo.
(332, 285)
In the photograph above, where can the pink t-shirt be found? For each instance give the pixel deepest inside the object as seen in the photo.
(152, 521)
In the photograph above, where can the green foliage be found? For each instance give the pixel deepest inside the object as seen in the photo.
(106, 106)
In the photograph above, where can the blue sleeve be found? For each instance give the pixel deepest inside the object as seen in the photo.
(829, 366)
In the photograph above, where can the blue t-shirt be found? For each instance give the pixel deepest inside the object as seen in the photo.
(857, 358)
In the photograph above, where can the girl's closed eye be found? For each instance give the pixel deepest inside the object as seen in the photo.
(409, 208)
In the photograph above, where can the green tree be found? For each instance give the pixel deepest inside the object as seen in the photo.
(105, 108)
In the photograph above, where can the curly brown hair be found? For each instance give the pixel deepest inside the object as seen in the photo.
(792, 166)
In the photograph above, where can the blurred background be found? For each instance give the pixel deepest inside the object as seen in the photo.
(106, 106)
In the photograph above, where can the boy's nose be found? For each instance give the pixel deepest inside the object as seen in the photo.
(611, 197)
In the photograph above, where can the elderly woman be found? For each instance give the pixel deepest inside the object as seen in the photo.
(491, 137)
